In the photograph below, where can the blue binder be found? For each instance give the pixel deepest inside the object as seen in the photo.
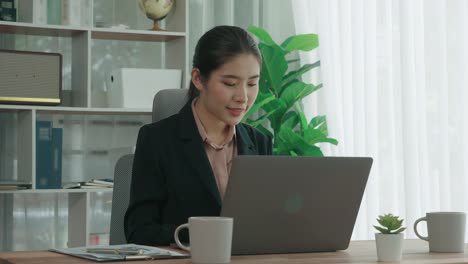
(48, 156)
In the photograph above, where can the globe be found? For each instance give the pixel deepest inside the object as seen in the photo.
(156, 10)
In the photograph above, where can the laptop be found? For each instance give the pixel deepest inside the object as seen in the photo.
(283, 204)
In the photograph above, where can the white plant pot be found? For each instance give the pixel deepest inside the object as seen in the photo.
(389, 247)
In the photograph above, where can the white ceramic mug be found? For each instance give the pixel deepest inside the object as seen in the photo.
(210, 239)
(445, 231)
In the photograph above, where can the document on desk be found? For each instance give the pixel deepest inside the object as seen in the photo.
(120, 252)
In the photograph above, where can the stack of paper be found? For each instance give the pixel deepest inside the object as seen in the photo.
(120, 252)
(98, 183)
(92, 184)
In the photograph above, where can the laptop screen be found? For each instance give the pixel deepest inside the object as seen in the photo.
(283, 204)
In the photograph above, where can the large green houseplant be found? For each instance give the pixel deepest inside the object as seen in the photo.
(278, 109)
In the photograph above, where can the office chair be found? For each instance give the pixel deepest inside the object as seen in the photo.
(120, 199)
(168, 102)
(165, 103)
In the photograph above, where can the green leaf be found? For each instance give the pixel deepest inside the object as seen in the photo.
(382, 230)
(292, 139)
(330, 140)
(296, 91)
(320, 123)
(311, 151)
(274, 66)
(399, 230)
(316, 121)
(279, 108)
(382, 222)
(262, 99)
(303, 120)
(260, 120)
(261, 34)
(293, 75)
(295, 142)
(293, 153)
(290, 119)
(304, 42)
(293, 61)
(264, 85)
(314, 136)
(324, 128)
(280, 147)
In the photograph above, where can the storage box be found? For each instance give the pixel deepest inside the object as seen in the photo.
(135, 88)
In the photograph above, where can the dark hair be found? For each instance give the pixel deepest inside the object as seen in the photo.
(216, 47)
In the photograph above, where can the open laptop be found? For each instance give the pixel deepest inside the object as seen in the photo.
(283, 204)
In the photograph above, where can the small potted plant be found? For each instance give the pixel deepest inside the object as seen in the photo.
(389, 241)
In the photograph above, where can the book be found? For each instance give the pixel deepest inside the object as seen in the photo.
(34, 11)
(107, 182)
(8, 187)
(44, 153)
(98, 183)
(71, 185)
(87, 186)
(120, 252)
(71, 12)
(85, 13)
(54, 12)
(39, 12)
(92, 184)
(48, 156)
(57, 141)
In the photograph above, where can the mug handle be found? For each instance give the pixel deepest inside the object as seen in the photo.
(176, 236)
(416, 229)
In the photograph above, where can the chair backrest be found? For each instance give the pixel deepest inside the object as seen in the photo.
(166, 103)
(120, 198)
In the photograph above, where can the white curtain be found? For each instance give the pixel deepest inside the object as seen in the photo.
(273, 15)
(395, 77)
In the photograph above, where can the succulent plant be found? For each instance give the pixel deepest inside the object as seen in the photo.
(390, 224)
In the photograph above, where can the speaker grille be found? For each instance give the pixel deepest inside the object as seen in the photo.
(30, 77)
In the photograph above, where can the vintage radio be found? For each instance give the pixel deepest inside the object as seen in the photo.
(30, 77)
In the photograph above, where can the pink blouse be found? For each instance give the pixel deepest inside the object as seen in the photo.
(220, 156)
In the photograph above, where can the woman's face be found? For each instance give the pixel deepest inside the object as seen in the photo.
(230, 90)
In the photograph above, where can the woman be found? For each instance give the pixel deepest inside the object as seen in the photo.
(182, 163)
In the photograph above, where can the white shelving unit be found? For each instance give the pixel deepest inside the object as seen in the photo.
(85, 113)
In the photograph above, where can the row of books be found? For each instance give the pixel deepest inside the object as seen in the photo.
(49, 141)
(55, 12)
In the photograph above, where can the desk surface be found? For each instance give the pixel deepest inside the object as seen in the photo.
(415, 251)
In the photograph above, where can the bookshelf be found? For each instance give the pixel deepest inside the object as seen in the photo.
(94, 135)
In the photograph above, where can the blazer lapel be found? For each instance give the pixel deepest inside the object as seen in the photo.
(245, 146)
(195, 152)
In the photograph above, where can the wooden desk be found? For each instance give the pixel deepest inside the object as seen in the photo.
(415, 251)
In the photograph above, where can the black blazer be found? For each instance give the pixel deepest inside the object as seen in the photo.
(172, 177)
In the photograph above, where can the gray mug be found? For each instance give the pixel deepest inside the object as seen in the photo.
(445, 231)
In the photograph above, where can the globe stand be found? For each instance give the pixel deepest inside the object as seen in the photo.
(156, 26)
